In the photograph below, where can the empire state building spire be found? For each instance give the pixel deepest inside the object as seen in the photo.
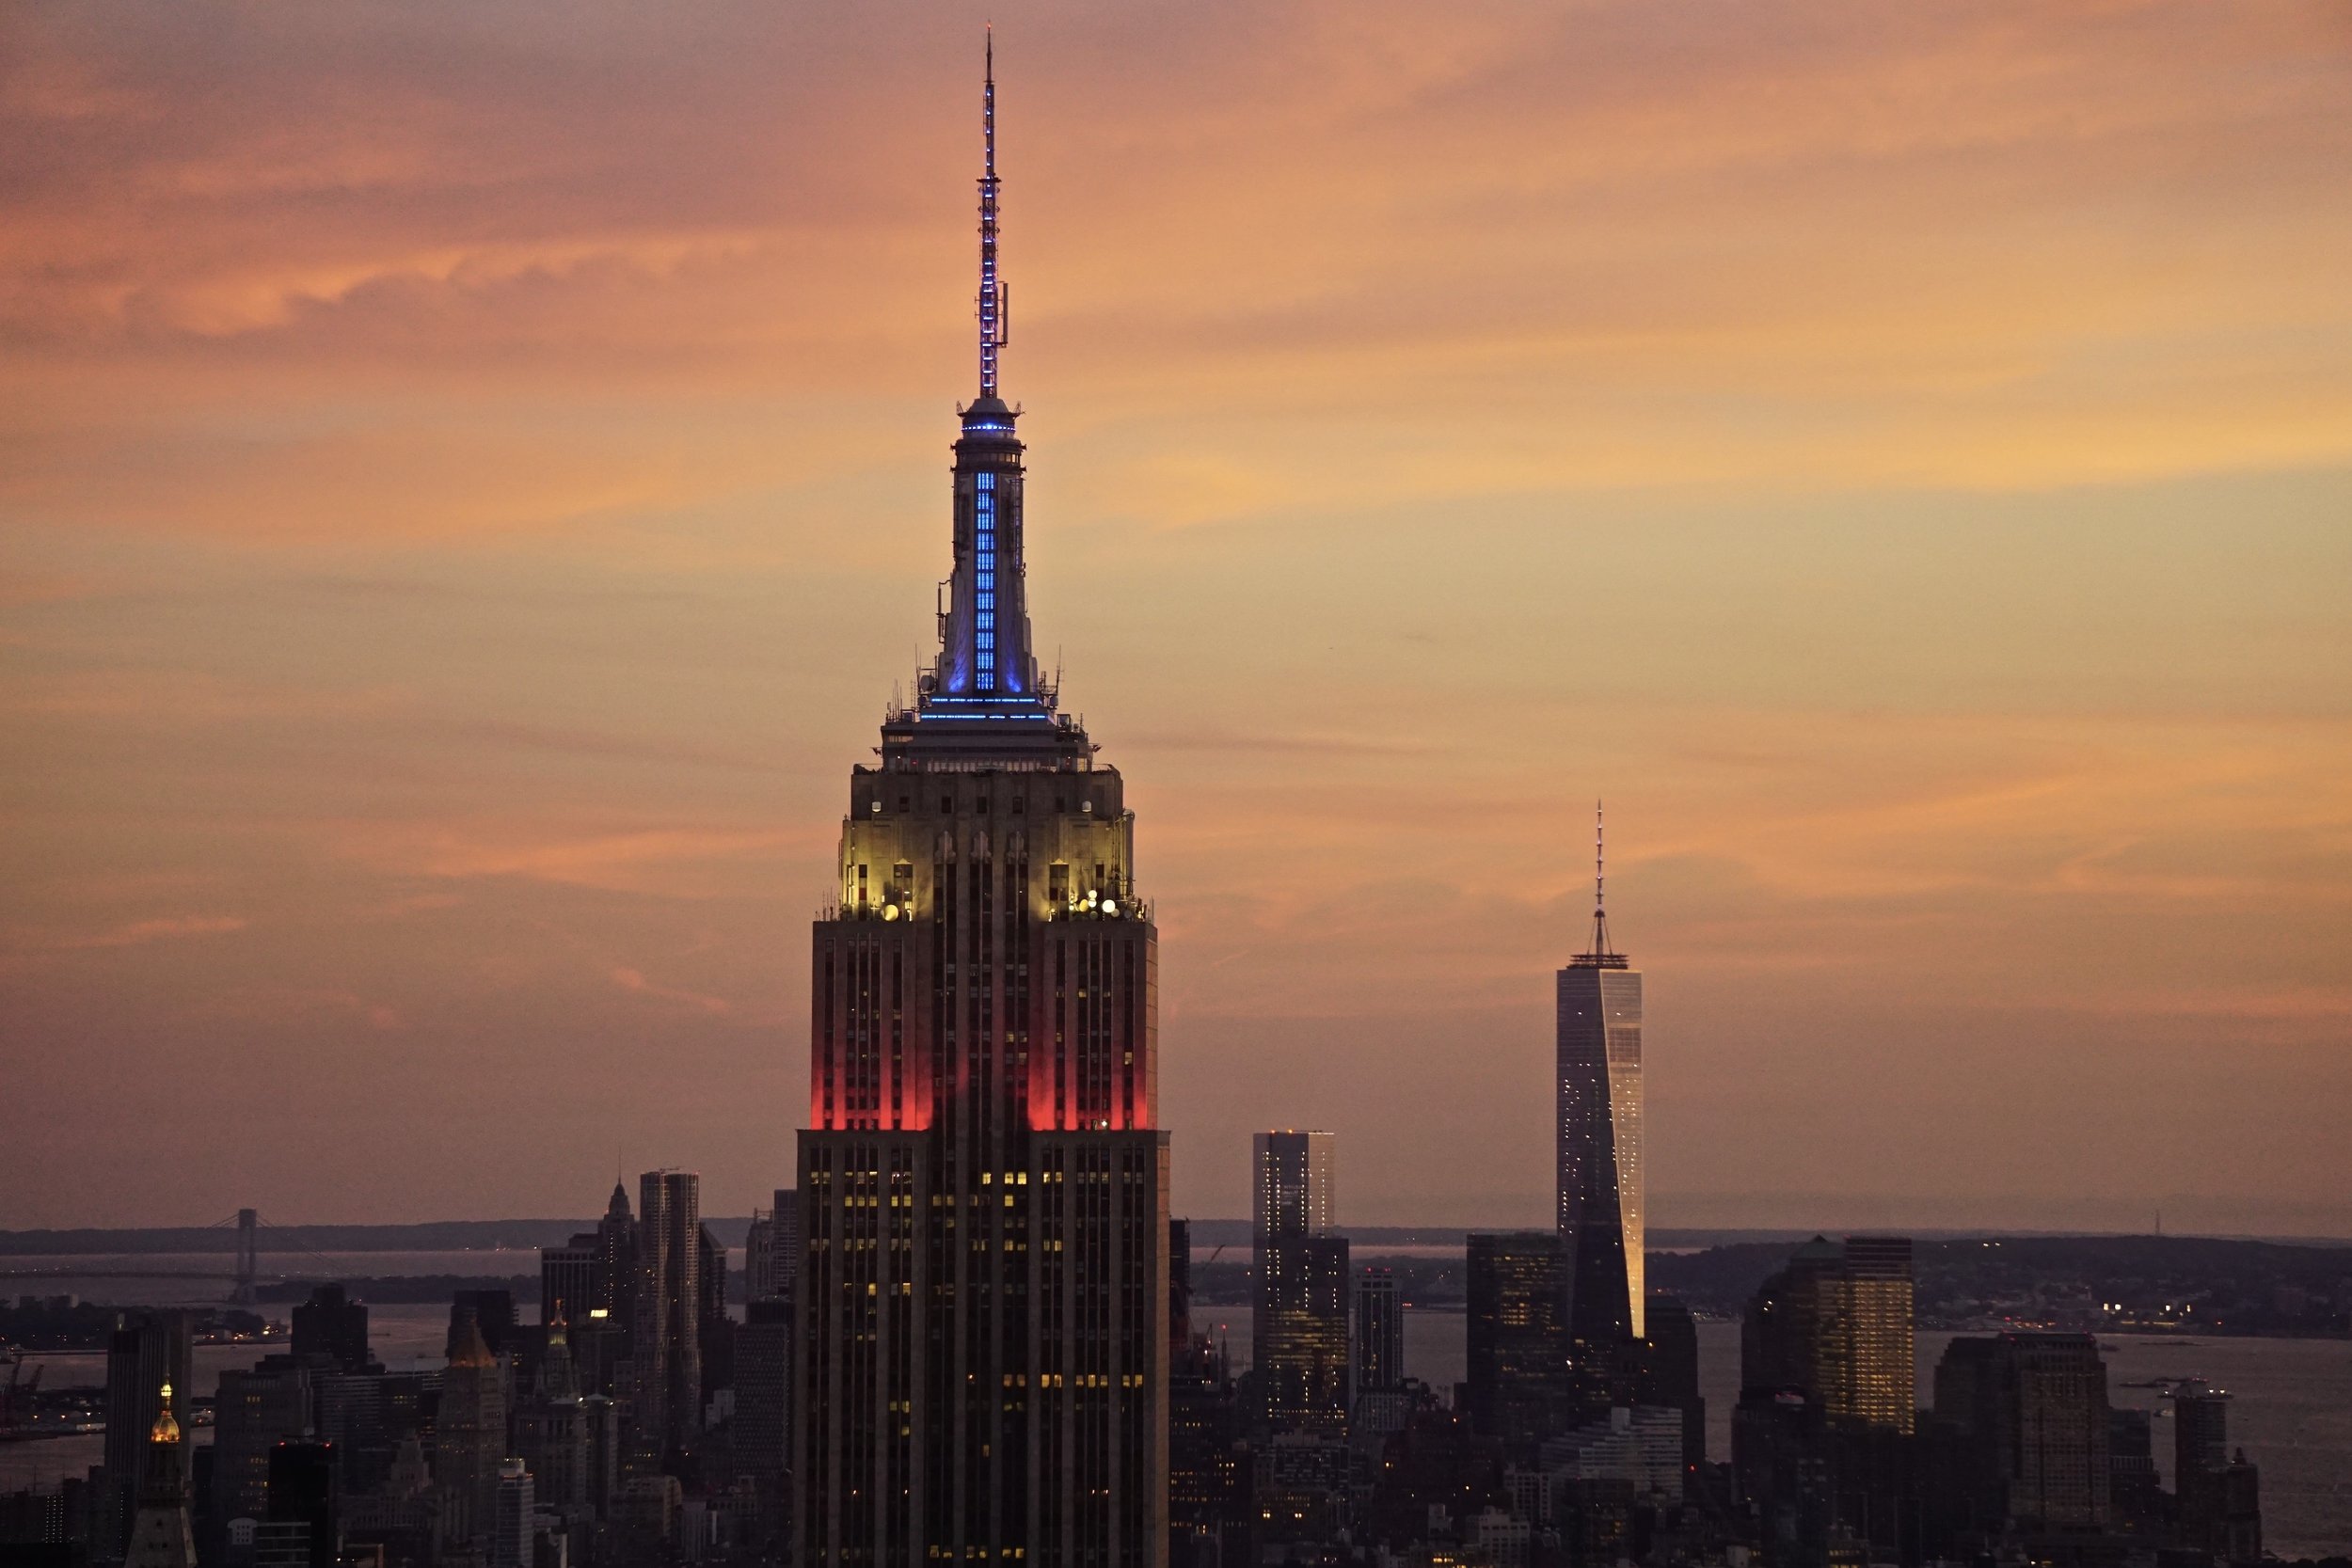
(984, 691)
(995, 319)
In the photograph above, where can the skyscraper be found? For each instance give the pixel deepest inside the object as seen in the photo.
(596, 1275)
(254, 1410)
(1871, 1359)
(1298, 1317)
(1836, 1325)
(665, 1344)
(1670, 1372)
(762, 1434)
(2216, 1499)
(1601, 1140)
(303, 1486)
(714, 1335)
(1518, 1344)
(330, 1331)
(771, 1249)
(1379, 1331)
(470, 1433)
(2032, 1412)
(551, 1426)
(982, 1290)
(1293, 1188)
(511, 1535)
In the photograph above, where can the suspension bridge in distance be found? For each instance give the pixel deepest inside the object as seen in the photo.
(242, 1277)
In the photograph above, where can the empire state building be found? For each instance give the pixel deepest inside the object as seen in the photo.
(983, 1287)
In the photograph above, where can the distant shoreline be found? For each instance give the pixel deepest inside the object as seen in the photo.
(519, 1235)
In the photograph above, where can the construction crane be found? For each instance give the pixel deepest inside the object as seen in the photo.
(16, 1399)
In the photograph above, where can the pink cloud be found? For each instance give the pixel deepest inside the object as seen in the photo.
(168, 928)
(635, 983)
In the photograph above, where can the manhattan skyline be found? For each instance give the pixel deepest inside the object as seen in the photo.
(452, 540)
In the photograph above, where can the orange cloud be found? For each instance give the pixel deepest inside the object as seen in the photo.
(137, 933)
(490, 467)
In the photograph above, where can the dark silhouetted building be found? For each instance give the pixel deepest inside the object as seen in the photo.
(665, 1343)
(2217, 1501)
(303, 1485)
(771, 1249)
(2135, 1493)
(253, 1411)
(1210, 1479)
(1600, 1146)
(470, 1433)
(491, 1311)
(511, 1533)
(1379, 1331)
(2030, 1411)
(551, 1430)
(594, 1277)
(331, 1330)
(1670, 1372)
(984, 1296)
(1521, 1388)
(763, 1404)
(715, 1334)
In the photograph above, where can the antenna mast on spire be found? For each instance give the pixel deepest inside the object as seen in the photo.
(995, 313)
(1601, 955)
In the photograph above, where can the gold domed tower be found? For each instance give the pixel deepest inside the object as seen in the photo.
(160, 1537)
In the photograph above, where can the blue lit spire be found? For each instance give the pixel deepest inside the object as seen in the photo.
(995, 319)
(986, 676)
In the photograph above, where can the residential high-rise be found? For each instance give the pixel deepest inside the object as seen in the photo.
(1520, 1388)
(1298, 1317)
(982, 1298)
(1379, 1331)
(665, 1343)
(1599, 1081)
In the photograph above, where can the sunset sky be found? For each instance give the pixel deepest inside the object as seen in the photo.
(470, 477)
